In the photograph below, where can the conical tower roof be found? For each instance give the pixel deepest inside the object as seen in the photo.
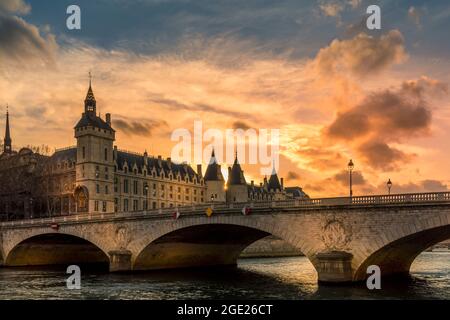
(213, 172)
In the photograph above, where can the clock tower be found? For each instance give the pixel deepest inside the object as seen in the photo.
(95, 163)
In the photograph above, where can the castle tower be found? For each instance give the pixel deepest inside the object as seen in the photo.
(95, 163)
(237, 189)
(215, 183)
(7, 146)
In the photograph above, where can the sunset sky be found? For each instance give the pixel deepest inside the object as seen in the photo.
(312, 69)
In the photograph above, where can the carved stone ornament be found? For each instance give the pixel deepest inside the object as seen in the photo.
(123, 237)
(335, 235)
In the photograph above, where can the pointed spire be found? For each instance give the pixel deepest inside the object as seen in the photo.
(213, 157)
(90, 103)
(274, 181)
(273, 168)
(236, 161)
(213, 171)
(236, 175)
(7, 148)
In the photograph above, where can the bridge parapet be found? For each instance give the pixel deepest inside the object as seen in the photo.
(257, 207)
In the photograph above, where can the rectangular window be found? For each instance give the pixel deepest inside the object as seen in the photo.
(135, 187)
(125, 205)
(96, 205)
(135, 205)
(116, 204)
(104, 206)
(106, 190)
(98, 188)
(145, 205)
(125, 186)
(154, 205)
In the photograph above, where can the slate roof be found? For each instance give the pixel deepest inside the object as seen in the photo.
(236, 176)
(89, 119)
(274, 182)
(165, 167)
(296, 192)
(213, 172)
(69, 154)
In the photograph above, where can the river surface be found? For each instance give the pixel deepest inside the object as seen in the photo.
(268, 278)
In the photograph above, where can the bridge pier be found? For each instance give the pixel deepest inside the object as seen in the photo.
(334, 267)
(120, 260)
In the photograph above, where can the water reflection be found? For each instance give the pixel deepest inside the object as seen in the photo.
(277, 278)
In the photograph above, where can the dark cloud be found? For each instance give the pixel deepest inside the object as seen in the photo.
(19, 40)
(387, 116)
(343, 178)
(393, 113)
(37, 112)
(198, 107)
(322, 159)
(291, 175)
(379, 155)
(240, 125)
(137, 127)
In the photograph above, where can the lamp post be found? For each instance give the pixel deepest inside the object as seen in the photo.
(351, 166)
(389, 185)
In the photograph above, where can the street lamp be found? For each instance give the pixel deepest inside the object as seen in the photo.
(351, 166)
(212, 198)
(389, 185)
(146, 189)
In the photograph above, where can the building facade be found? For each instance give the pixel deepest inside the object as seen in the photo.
(96, 176)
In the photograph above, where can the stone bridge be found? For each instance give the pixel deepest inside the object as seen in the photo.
(340, 236)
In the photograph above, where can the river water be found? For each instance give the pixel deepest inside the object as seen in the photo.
(268, 278)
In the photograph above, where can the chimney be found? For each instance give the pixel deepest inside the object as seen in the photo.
(260, 185)
(115, 153)
(229, 173)
(108, 118)
(160, 161)
(282, 184)
(252, 183)
(199, 170)
(145, 158)
(169, 163)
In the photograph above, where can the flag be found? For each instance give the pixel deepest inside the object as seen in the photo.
(209, 211)
(246, 210)
(176, 214)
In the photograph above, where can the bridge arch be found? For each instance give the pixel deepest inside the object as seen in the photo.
(209, 241)
(400, 245)
(55, 248)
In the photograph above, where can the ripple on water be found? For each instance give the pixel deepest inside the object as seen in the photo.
(271, 278)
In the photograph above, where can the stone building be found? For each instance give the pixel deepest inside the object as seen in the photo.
(238, 190)
(95, 176)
